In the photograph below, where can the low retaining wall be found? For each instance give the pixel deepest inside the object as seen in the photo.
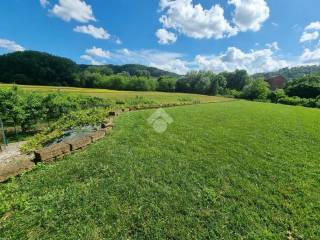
(59, 150)
(52, 152)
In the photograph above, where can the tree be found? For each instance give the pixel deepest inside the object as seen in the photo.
(276, 95)
(202, 85)
(11, 107)
(236, 80)
(218, 84)
(34, 110)
(194, 82)
(307, 86)
(256, 90)
(103, 70)
(142, 84)
(57, 104)
(89, 79)
(167, 84)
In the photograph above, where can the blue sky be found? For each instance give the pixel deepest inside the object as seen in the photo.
(175, 35)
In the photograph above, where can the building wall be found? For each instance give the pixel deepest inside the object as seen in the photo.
(277, 82)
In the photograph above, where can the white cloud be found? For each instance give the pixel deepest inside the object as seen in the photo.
(165, 37)
(306, 36)
(273, 45)
(118, 41)
(250, 14)
(10, 45)
(194, 21)
(311, 56)
(311, 32)
(98, 52)
(169, 61)
(253, 61)
(98, 33)
(76, 10)
(91, 60)
(313, 26)
(44, 3)
(175, 65)
(125, 51)
(263, 60)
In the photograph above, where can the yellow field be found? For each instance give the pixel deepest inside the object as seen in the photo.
(160, 97)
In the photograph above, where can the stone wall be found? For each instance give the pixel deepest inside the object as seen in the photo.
(59, 150)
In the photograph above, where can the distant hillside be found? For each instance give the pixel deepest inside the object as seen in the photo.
(291, 73)
(39, 68)
(135, 69)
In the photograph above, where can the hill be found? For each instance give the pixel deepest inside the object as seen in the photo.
(39, 68)
(134, 70)
(31, 67)
(291, 73)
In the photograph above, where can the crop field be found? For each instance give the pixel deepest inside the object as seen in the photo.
(228, 170)
(159, 97)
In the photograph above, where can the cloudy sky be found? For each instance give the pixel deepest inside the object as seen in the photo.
(175, 35)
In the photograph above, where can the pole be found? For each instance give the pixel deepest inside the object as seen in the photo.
(3, 133)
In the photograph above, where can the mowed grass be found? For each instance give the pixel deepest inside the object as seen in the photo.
(234, 170)
(159, 97)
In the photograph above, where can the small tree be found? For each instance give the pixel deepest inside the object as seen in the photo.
(256, 89)
(11, 107)
(276, 95)
(34, 110)
(218, 84)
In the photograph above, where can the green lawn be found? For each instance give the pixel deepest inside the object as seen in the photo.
(234, 170)
(160, 97)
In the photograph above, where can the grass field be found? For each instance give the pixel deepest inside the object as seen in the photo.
(159, 97)
(233, 170)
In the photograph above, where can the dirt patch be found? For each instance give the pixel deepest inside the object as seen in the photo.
(10, 151)
(13, 162)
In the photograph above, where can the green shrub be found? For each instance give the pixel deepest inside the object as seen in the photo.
(276, 95)
(233, 93)
(297, 101)
(139, 100)
(185, 99)
(256, 90)
(27, 109)
(307, 86)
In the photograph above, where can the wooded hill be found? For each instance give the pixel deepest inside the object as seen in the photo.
(291, 73)
(39, 68)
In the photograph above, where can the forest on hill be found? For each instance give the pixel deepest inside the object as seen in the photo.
(39, 68)
(292, 73)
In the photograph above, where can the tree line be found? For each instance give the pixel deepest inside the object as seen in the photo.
(37, 68)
